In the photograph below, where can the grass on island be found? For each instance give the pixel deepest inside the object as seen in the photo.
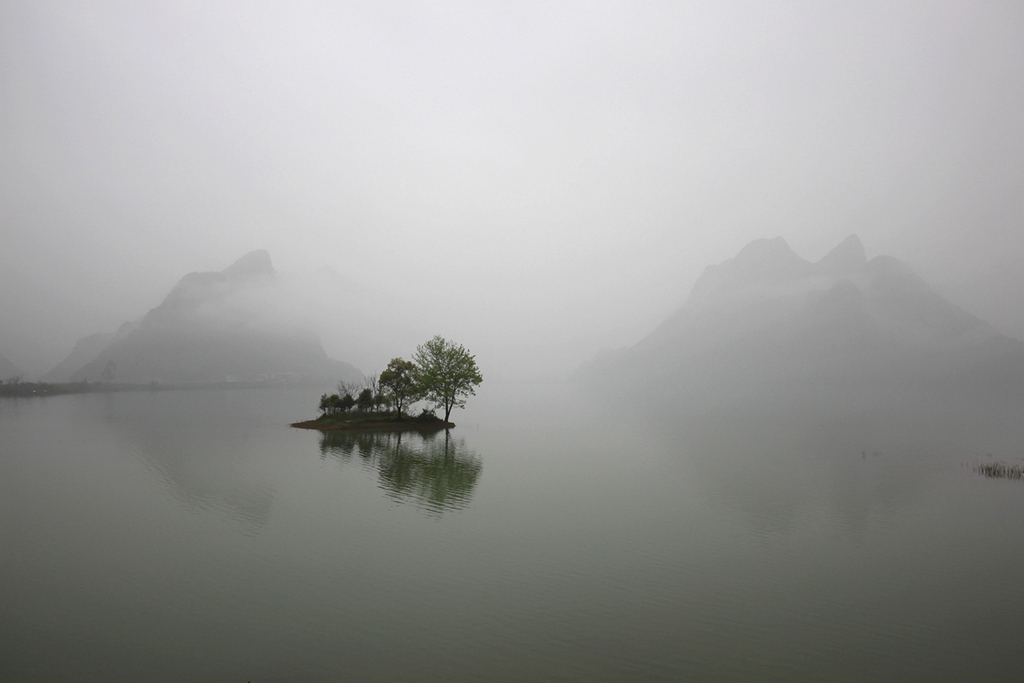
(425, 421)
(1000, 470)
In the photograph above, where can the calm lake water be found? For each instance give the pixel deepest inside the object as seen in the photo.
(194, 536)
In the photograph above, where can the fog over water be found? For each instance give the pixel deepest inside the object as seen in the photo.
(766, 256)
(536, 181)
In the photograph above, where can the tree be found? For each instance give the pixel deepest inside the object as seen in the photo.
(372, 384)
(325, 404)
(448, 373)
(365, 400)
(348, 388)
(334, 404)
(399, 384)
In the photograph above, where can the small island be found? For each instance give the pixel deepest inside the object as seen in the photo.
(441, 372)
(376, 421)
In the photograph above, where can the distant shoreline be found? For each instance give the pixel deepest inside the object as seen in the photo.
(30, 389)
(37, 389)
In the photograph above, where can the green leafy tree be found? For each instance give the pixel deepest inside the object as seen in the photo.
(367, 397)
(325, 404)
(334, 404)
(364, 401)
(448, 373)
(400, 384)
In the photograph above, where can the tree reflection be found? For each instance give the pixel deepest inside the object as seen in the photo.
(438, 473)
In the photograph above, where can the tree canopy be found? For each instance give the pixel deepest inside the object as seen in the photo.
(400, 384)
(447, 373)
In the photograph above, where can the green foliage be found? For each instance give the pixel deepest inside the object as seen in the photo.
(444, 373)
(334, 404)
(448, 373)
(400, 384)
(364, 401)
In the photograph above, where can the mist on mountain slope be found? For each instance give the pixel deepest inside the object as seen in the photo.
(361, 325)
(770, 326)
(237, 324)
(764, 319)
(535, 181)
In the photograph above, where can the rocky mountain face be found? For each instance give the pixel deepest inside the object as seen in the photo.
(768, 323)
(212, 327)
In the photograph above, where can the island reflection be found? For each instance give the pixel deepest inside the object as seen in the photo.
(436, 472)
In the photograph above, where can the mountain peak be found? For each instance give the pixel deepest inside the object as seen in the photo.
(212, 327)
(848, 257)
(254, 265)
(763, 248)
(771, 326)
(770, 260)
(762, 262)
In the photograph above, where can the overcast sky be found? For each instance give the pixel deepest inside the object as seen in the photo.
(557, 174)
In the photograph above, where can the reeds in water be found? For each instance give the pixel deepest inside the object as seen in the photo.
(1000, 470)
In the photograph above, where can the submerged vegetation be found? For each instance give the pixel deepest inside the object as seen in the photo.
(1001, 470)
(442, 372)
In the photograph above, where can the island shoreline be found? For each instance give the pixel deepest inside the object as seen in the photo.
(378, 426)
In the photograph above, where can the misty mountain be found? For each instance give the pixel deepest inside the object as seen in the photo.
(8, 369)
(769, 324)
(85, 350)
(225, 326)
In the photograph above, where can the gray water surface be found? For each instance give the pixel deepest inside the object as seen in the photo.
(195, 536)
